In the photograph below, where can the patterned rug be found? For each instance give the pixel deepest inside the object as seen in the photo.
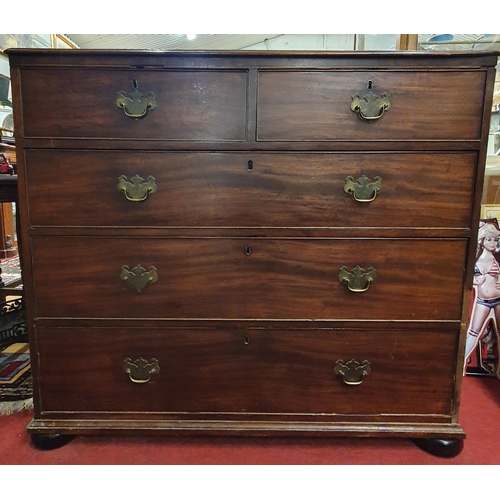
(11, 265)
(10, 271)
(15, 374)
(15, 378)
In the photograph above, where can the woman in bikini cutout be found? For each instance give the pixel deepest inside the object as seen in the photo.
(487, 285)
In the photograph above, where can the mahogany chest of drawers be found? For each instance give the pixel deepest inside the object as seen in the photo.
(249, 243)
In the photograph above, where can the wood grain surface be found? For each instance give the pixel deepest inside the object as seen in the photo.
(280, 279)
(248, 316)
(422, 190)
(191, 105)
(315, 106)
(205, 371)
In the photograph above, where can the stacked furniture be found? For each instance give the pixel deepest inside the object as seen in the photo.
(249, 243)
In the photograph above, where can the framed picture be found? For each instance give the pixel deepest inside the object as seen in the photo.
(8, 41)
(490, 212)
(25, 41)
(61, 42)
(6, 118)
(50, 41)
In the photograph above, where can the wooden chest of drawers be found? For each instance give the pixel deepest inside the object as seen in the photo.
(249, 243)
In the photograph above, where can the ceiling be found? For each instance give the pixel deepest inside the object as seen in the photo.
(279, 42)
(169, 42)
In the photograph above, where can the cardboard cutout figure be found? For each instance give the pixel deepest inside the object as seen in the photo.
(481, 349)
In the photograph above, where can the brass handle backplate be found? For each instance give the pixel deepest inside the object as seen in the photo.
(138, 277)
(363, 190)
(136, 189)
(370, 107)
(136, 105)
(356, 279)
(353, 371)
(140, 370)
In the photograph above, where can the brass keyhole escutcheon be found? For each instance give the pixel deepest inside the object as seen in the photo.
(370, 107)
(356, 279)
(136, 189)
(138, 277)
(248, 250)
(363, 190)
(352, 372)
(136, 105)
(140, 370)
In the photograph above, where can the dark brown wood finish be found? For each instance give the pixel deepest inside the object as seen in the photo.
(470, 60)
(280, 190)
(215, 372)
(248, 315)
(191, 105)
(280, 279)
(314, 106)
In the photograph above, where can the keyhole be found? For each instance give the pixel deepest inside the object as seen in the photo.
(134, 83)
(370, 85)
(250, 165)
(248, 250)
(246, 341)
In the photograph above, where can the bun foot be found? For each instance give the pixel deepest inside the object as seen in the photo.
(444, 448)
(50, 441)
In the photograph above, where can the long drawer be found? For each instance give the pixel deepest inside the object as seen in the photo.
(316, 105)
(225, 278)
(254, 371)
(249, 189)
(193, 105)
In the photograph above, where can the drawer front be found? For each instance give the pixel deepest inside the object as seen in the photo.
(316, 105)
(190, 105)
(230, 278)
(253, 371)
(276, 190)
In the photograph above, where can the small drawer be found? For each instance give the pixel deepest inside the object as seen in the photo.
(233, 278)
(249, 189)
(423, 105)
(267, 372)
(191, 105)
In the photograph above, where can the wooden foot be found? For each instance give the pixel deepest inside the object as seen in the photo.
(50, 441)
(444, 448)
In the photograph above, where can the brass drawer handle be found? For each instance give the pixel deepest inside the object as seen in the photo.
(353, 371)
(138, 277)
(356, 279)
(363, 190)
(136, 189)
(140, 371)
(370, 107)
(136, 106)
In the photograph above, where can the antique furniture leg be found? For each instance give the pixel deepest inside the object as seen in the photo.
(445, 448)
(50, 441)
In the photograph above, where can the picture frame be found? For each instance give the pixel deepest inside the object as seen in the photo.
(28, 41)
(490, 212)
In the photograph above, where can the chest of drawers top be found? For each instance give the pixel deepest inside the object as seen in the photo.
(242, 100)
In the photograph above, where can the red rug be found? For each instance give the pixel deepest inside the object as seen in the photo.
(480, 417)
